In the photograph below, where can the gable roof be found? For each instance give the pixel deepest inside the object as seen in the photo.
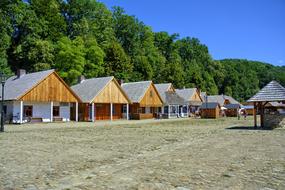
(186, 93)
(203, 94)
(16, 87)
(210, 105)
(221, 99)
(172, 98)
(88, 89)
(273, 91)
(162, 88)
(136, 90)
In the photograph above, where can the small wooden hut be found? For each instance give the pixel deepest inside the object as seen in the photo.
(145, 99)
(232, 110)
(39, 97)
(103, 99)
(210, 110)
(173, 105)
(272, 92)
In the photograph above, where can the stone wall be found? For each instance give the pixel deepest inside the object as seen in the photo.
(274, 120)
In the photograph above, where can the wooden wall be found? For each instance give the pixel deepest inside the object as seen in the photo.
(151, 98)
(196, 97)
(210, 113)
(112, 93)
(50, 89)
(102, 111)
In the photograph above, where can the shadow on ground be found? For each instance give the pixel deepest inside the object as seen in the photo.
(248, 128)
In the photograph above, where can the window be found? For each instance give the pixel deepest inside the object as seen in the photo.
(56, 111)
(151, 93)
(28, 111)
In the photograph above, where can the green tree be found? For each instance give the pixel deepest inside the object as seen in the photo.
(70, 59)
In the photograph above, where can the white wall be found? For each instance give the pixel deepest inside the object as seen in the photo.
(42, 110)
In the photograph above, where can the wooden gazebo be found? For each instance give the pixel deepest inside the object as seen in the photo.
(272, 92)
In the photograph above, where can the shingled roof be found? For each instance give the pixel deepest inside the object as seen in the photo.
(216, 98)
(172, 98)
(15, 86)
(221, 99)
(136, 90)
(88, 89)
(162, 88)
(210, 105)
(273, 91)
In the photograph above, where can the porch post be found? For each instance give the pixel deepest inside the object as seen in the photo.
(92, 112)
(51, 111)
(187, 109)
(111, 111)
(168, 111)
(127, 111)
(76, 111)
(21, 112)
(254, 114)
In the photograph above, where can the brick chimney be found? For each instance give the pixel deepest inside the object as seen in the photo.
(81, 79)
(120, 81)
(21, 72)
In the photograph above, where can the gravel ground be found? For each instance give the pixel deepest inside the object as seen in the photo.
(145, 155)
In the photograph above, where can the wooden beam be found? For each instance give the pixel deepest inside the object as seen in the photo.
(261, 115)
(21, 112)
(51, 111)
(254, 114)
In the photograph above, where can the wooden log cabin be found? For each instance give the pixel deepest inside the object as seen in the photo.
(229, 105)
(39, 97)
(173, 105)
(103, 99)
(145, 98)
(193, 98)
(210, 110)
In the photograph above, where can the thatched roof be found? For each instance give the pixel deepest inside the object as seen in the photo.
(272, 92)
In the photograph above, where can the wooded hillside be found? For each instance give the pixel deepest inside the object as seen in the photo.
(83, 37)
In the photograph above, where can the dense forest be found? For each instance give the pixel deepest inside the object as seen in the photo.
(83, 37)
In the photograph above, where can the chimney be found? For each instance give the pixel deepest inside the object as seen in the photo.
(21, 72)
(120, 81)
(81, 79)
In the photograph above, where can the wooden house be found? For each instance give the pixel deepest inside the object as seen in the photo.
(145, 99)
(39, 97)
(229, 105)
(173, 105)
(103, 99)
(210, 110)
(272, 92)
(232, 110)
(192, 97)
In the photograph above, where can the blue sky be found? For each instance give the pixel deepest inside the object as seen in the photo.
(249, 29)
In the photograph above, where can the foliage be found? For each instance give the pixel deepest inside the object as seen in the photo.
(83, 37)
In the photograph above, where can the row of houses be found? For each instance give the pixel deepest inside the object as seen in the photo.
(45, 97)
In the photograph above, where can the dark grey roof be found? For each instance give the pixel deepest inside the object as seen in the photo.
(88, 89)
(272, 92)
(232, 106)
(162, 88)
(16, 87)
(136, 90)
(172, 98)
(209, 105)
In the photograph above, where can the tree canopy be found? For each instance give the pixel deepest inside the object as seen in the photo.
(83, 37)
